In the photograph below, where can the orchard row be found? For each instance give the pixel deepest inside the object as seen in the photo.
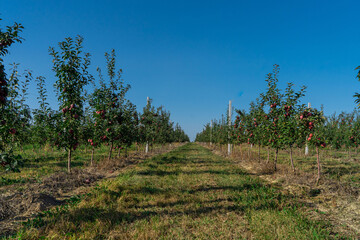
(277, 120)
(103, 116)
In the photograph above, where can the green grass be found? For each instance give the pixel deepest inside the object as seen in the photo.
(188, 193)
(44, 161)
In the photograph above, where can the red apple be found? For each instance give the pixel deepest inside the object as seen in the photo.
(12, 131)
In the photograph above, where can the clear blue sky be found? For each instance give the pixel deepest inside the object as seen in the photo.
(195, 56)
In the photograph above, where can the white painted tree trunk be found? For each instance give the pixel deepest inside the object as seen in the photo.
(211, 123)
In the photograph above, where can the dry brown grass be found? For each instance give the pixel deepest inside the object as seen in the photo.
(334, 197)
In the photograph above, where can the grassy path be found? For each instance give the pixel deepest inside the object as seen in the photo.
(188, 193)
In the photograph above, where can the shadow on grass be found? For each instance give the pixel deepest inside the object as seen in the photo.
(169, 160)
(177, 203)
(38, 162)
(149, 190)
(238, 188)
(158, 172)
(63, 164)
(113, 217)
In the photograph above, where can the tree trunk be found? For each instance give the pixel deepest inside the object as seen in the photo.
(126, 152)
(268, 158)
(259, 153)
(249, 153)
(38, 152)
(69, 160)
(118, 155)
(276, 157)
(241, 153)
(349, 153)
(147, 148)
(292, 160)
(110, 152)
(92, 156)
(318, 165)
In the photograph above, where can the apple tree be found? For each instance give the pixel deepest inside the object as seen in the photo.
(148, 128)
(311, 124)
(128, 128)
(43, 128)
(290, 108)
(109, 104)
(8, 110)
(71, 69)
(273, 98)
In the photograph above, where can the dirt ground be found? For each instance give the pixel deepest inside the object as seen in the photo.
(20, 203)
